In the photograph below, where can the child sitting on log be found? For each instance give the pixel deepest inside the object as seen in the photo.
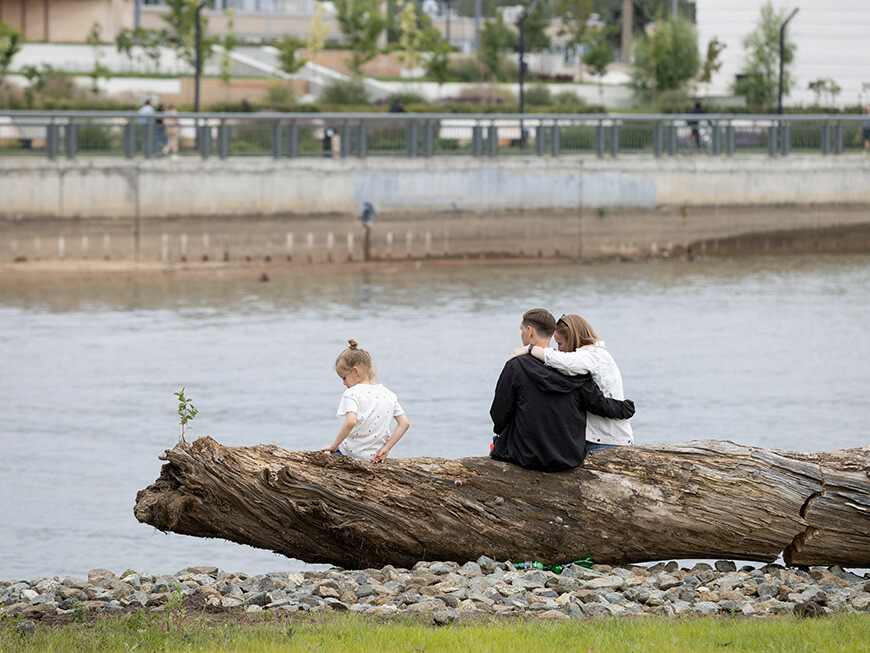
(367, 408)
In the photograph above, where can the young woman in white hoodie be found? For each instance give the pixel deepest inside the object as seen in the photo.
(581, 352)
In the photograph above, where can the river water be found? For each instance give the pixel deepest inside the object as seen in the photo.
(762, 351)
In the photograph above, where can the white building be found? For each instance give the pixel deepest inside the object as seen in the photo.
(832, 38)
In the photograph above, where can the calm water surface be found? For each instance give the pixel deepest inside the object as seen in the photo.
(768, 351)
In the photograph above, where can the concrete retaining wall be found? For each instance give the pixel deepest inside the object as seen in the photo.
(118, 188)
(306, 209)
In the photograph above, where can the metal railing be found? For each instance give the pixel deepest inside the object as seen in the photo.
(73, 134)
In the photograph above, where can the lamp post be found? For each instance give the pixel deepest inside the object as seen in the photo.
(522, 23)
(198, 46)
(782, 56)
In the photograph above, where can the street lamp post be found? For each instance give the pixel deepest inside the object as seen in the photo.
(198, 46)
(522, 48)
(782, 56)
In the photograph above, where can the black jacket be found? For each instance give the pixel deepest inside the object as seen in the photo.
(539, 415)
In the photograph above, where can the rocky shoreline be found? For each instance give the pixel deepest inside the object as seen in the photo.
(443, 591)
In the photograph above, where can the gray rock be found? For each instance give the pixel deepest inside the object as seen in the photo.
(605, 582)
(233, 591)
(574, 610)
(470, 570)
(258, 598)
(595, 610)
(412, 598)
(613, 597)
(231, 602)
(556, 615)
(479, 597)
(25, 628)
(441, 568)
(450, 600)
(666, 581)
(691, 582)
(364, 590)
(47, 602)
(335, 605)
(487, 565)
(706, 608)
(139, 597)
(566, 584)
(531, 579)
(861, 603)
(545, 592)
(809, 609)
(429, 605)
(586, 596)
(327, 589)
(639, 593)
(96, 576)
(445, 616)
(725, 566)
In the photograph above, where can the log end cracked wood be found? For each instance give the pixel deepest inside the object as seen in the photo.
(701, 499)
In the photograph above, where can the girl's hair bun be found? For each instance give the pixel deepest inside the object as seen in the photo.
(352, 344)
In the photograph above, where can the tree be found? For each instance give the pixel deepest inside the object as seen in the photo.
(574, 14)
(182, 21)
(10, 38)
(288, 54)
(666, 59)
(534, 29)
(600, 53)
(495, 37)
(760, 83)
(361, 22)
(228, 43)
(95, 40)
(148, 41)
(711, 62)
(319, 30)
(410, 35)
(437, 54)
(825, 85)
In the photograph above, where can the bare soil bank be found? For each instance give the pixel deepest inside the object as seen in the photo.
(216, 246)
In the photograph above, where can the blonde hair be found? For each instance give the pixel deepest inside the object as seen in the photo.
(576, 331)
(352, 357)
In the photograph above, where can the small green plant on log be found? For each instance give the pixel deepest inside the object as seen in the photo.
(186, 411)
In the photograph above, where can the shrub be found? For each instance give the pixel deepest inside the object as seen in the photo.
(407, 98)
(344, 92)
(674, 101)
(466, 69)
(538, 95)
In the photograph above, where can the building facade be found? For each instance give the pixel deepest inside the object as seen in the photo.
(831, 38)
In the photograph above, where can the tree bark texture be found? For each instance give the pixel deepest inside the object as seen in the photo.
(701, 499)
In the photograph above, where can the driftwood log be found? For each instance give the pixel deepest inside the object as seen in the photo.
(702, 499)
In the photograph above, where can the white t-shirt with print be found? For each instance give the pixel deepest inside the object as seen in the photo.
(375, 407)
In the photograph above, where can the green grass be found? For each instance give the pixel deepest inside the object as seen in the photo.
(356, 634)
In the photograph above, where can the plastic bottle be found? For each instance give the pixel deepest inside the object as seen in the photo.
(528, 564)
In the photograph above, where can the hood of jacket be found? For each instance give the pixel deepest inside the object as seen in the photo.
(547, 379)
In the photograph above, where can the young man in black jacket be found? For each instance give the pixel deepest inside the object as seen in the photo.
(539, 414)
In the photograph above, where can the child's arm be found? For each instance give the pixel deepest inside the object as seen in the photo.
(402, 425)
(346, 428)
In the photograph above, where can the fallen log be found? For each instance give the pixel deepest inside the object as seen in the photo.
(701, 499)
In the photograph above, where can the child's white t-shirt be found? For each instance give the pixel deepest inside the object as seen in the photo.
(375, 406)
